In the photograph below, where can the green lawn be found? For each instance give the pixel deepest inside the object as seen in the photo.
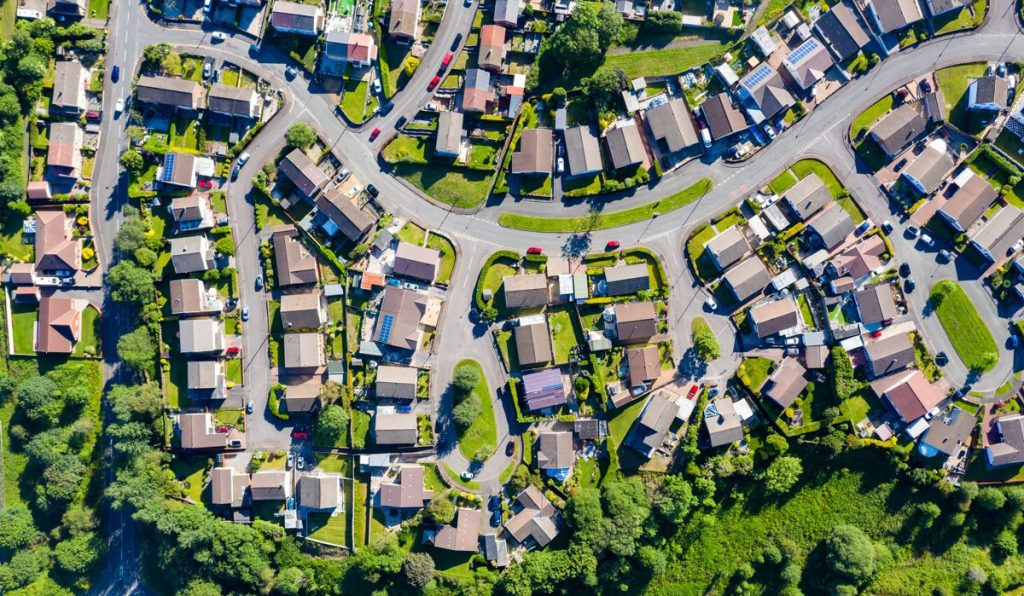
(24, 317)
(482, 431)
(183, 133)
(89, 344)
(868, 117)
(354, 101)
(564, 334)
(782, 182)
(964, 326)
(439, 242)
(191, 474)
(618, 428)
(98, 9)
(961, 19)
(192, 68)
(328, 528)
(229, 77)
(493, 277)
(753, 372)
(603, 221)
(535, 186)
(461, 188)
(953, 82)
(411, 233)
(268, 213)
(582, 186)
(665, 61)
(233, 370)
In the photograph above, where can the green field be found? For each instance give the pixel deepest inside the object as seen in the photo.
(482, 431)
(24, 318)
(866, 119)
(463, 189)
(963, 325)
(665, 61)
(439, 242)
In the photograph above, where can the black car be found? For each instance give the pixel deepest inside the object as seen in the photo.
(458, 40)
(904, 269)
(400, 122)
(372, 190)
(385, 109)
(941, 359)
(510, 449)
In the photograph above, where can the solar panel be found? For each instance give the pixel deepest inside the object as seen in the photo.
(168, 173)
(385, 327)
(759, 75)
(803, 51)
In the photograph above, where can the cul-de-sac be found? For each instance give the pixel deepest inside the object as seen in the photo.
(515, 297)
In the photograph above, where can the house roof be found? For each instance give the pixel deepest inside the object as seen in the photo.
(464, 536)
(876, 304)
(808, 196)
(69, 85)
(772, 317)
(991, 89)
(55, 248)
(833, 225)
(303, 310)
(169, 91)
(236, 101)
(190, 207)
(301, 392)
(197, 432)
(786, 382)
(491, 52)
(767, 90)
(269, 485)
(403, 17)
(590, 428)
(723, 119)
(303, 350)
(293, 263)
(808, 62)
(60, 324)
(1004, 223)
(636, 322)
(204, 374)
(346, 46)
(178, 169)
(938, 7)
(815, 356)
(896, 14)
(65, 147)
(190, 254)
(536, 519)
(420, 262)
(728, 246)
(555, 450)
(496, 550)
(321, 491)
(723, 423)
(533, 343)
(930, 167)
(476, 93)
(302, 172)
(449, 132)
(582, 150)
(655, 420)
(296, 16)
(747, 279)
(38, 190)
(890, 353)
(407, 492)
(644, 365)
(200, 335)
(507, 12)
(398, 321)
(1010, 449)
(671, 123)
(393, 428)
(625, 147)
(970, 200)
(909, 393)
(525, 291)
(627, 279)
(543, 389)
(535, 153)
(350, 220)
(227, 487)
(397, 382)
(949, 430)
(900, 127)
(860, 259)
(842, 29)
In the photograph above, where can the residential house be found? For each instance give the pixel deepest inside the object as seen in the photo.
(404, 22)
(543, 389)
(636, 322)
(748, 279)
(393, 428)
(763, 41)
(807, 63)
(625, 147)
(528, 290)
(464, 536)
(671, 126)
(496, 551)
(197, 431)
(201, 336)
(320, 492)
(536, 521)
(727, 247)
(555, 454)
(930, 168)
(242, 102)
(860, 261)
(908, 393)
(303, 311)
(205, 379)
(764, 93)
(774, 317)
(786, 382)
(38, 190)
(533, 343)
(1009, 450)
(506, 13)
(875, 305)
(627, 279)
(476, 92)
(644, 366)
(229, 488)
(57, 252)
(723, 119)
(842, 29)
(190, 297)
(184, 169)
(398, 321)
(69, 81)
(947, 433)
(807, 197)
(449, 133)
(969, 202)
(170, 92)
(937, 7)
(888, 16)
(297, 18)
(831, 227)
(1005, 224)
(64, 155)
(191, 254)
(417, 262)
(407, 493)
(270, 485)
(590, 429)
(294, 264)
(582, 151)
(889, 354)
(192, 212)
(66, 8)
(514, 95)
(342, 215)
(303, 350)
(989, 93)
(344, 48)
(298, 168)
(536, 150)
(815, 357)
(396, 382)
(60, 324)
(902, 126)
(301, 394)
(491, 53)
(723, 423)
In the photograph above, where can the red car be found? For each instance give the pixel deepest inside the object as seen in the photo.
(205, 184)
(693, 391)
(374, 134)
(447, 59)
(612, 245)
(298, 434)
(434, 82)
(534, 250)
(234, 350)
(876, 333)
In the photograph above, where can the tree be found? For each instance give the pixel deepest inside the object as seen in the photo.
(927, 514)
(171, 64)
(45, 448)
(78, 554)
(965, 495)
(484, 453)
(137, 402)
(441, 509)
(199, 587)
(776, 444)
(17, 530)
(136, 349)
(466, 412)
(489, 314)
(652, 559)
(663, 21)
(38, 399)
(418, 570)
(130, 284)
(410, 65)
(782, 474)
(300, 135)
(132, 161)
(131, 236)
(225, 246)
(290, 581)
(843, 381)
(155, 53)
(675, 501)
(145, 257)
(706, 346)
(60, 482)
(990, 499)
(465, 380)
(850, 554)
(23, 568)
(582, 386)
(331, 425)
(580, 41)
(1005, 544)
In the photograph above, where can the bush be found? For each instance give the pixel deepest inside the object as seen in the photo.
(850, 554)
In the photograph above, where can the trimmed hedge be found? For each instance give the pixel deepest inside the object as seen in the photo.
(478, 296)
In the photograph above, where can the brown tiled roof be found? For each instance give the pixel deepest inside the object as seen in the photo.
(296, 16)
(294, 264)
(404, 309)
(302, 172)
(60, 325)
(786, 382)
(636, 322)
(533, 344)
(644, 365)
(535, 152)
(56, 249)
(169, 91)
(909, 393)
(419, 262)
(407, 492)
(464, 536)
(772, 317)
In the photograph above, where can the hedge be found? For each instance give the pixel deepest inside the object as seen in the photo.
(513, 390)
(275, 404)
(478, 296)
(659, 269)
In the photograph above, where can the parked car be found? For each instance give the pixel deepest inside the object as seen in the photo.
(941, 359)
(400, 122)
(243, 158)
(291, 503)
(115, 73)
(912, 231)
(447, 59)
(1012, 342)
(693, 391)
(496, 514)
(434, 82)
(207, 69)
(612, 245)
(249, 407)
(290, 72)
(909, 284)
(905, 270)
(863, 227)
(534, 250)
(118, 107)
(376, 86)
(510, 448)
(494, 503)
(1016, 246)
(456, 41)
(290, 462)
(259, 282)
(467, 475)
(344, 173)
(1001, 69)
(235, 443)
(234, 171)
(927, 239)
(410, 286)
(234, 351)
(300, 463)
(218, 36)
(711, 303)
(713, 392)
(372, 190)
(899, 165)
(768, 130)
(887, 227)
(374, 134)
(300, 435)
(945, 256)
(245, 313)
(876, 334)
(560, 164)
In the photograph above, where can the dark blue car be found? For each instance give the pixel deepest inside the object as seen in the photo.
(495, 503)
(115, 74)
(496, 518)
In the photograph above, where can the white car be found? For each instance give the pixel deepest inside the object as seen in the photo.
(118, 107)
(467, 475)
(927, 239)
(301, 463)
(768, 130)
(1016, 246)
(290, 461)
(913, 231)
(561, 164)
(887, 227)
(710, 303)
(219, 36)
(244, 157)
